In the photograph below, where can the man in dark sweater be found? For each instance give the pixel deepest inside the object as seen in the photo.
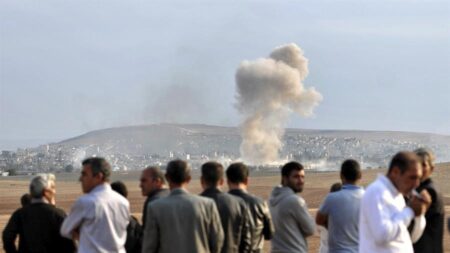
(153, 186)
(261, 220)
(432, 237)
(233, 211)
(38, 224)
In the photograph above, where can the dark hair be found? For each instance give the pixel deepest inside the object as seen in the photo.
(237, 173)
(25, 200)
(335, 187)
(98, 165)
(212, 173)
(289, 167)
(120, 188)
(156, 173)
(178, 171)
(351, 170)
(403, 161)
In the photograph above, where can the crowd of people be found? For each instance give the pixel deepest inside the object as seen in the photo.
(399, 212)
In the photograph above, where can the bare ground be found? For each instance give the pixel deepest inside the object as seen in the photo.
(316, 188)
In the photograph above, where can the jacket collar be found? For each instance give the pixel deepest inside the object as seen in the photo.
(101, 187)
(237, 191)
(211, 190)
(155, 192)
(178, 191)
(351, 187)
(426, 182)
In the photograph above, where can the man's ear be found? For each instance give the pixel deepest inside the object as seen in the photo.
(202, 181)
(221, 182)
(395, 172)
(100, 176)
(283, 180)
(246, 181)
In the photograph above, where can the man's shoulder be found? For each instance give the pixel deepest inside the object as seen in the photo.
(294, 199)
(187, 197)
(200, 199)
(119, 198)
(53, 209)
(374, 190)
(161, 193)
(230, 199)
(252, 199)
(86, 199)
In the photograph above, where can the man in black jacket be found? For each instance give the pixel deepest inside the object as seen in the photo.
(261, 225)
(432, 237)
(233, 211)
(38, 224)
(153, 186)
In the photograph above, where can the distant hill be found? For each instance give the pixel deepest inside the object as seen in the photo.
(204, 139)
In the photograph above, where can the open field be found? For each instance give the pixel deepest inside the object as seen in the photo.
(261, 183)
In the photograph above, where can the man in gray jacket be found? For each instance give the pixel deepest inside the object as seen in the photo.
(182, 222)
(290, 215)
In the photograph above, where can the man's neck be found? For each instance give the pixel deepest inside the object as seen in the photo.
(212, 187)
(237, 187)
(355, 183)
(39, 200)
(177, 186)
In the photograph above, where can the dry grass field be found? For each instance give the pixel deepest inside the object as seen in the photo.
(316, 188)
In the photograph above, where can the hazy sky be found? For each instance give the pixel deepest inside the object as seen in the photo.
(68, 67)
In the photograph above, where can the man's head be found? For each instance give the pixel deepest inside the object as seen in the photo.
(152, 179)
(178, 173)
(25, 200)
(405, 172)
(237, 175)
(43, 187)
(426, 158)
(335, 187)
(293, 176)
(120, 188)
(95, 171)
(350, 172)
(212, 175)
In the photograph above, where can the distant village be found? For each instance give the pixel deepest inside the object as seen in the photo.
(315, 152)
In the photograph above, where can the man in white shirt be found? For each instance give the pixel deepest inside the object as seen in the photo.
(384, 215)
(99, 218)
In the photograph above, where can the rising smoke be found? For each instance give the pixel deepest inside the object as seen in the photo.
(268, 91)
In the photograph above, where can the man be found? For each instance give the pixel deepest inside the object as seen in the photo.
(432, 237)
(100, 217)
(134, 229)
(339, 212)
(293, 223)
(38, 223)
(153, 186)
(384, 216)
(182, 222)
(25, 200)
(261, 221)
(323, 230)
(233, 211)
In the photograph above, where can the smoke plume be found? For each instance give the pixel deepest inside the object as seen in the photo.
(268, 91)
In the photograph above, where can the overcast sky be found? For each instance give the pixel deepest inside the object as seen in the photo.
(69, 67)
